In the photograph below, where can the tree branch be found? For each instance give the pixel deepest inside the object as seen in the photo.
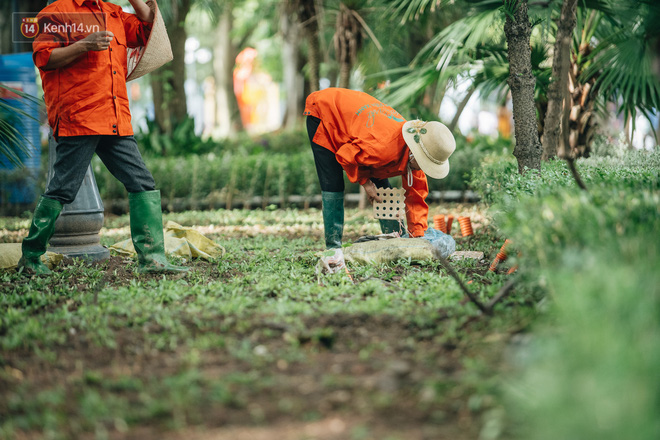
(463, 287)
(576, 175)
(504, 291)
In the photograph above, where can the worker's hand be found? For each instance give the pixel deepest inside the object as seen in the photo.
(142, 10)
(98, 41)
(370, 189)
(332, 261)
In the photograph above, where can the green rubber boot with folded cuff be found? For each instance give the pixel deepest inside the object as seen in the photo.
(389, 226)
(41, 230)
(147, 233)
(333, 218)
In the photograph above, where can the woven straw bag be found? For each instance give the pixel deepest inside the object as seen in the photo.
(157, 51)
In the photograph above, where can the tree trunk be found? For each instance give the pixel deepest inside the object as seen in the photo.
(459, 110)
(167, 83)
(437, 96)
(558, 97)
(310, 24)
(348, 41)
(521, 82)
(345, 75)
(293, 79)
(162, 116)
(6, 45)
(579, 110)
(178, 36)
(228, 117)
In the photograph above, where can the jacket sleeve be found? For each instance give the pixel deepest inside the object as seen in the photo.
(137, 31)
(45, 42)
(417, 210)
(351, 158)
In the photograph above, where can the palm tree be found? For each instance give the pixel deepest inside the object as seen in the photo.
(558, 89)
(620, 64)
(167, 84)
(611, 57)
(348, 38)
(521, 81)
(309, 21)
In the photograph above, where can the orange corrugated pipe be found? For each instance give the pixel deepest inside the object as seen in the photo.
(439, 223)
(450, 219)
(466, 226)
(501, 256)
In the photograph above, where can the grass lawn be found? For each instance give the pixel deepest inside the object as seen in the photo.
(255, 344)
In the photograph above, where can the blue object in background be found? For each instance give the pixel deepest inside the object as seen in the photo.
(18, 72)
(443, 243)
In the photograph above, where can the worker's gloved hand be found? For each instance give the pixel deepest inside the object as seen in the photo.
(332, 261)
(370, 189)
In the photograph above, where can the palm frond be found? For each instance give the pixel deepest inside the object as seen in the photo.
(13, 144)
(404, 90)
(621, 65)
(462, 38)
(410, 10)
(459, 50)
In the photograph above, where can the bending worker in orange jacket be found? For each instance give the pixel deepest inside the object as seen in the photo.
(352, 131)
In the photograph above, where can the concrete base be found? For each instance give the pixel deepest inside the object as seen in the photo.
(88, 253)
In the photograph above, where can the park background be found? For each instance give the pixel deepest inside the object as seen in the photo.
(234, 94)
(256, 342)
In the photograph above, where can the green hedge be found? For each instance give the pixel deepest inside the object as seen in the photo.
(202, 177)
(591, 368)
(498, 181)
(272, 165)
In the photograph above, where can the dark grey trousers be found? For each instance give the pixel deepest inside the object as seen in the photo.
(119, 154)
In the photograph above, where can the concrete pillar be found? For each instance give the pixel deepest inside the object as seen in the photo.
(77, 228)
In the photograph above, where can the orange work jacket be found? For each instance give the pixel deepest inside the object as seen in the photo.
(365, 136)
(88, 96)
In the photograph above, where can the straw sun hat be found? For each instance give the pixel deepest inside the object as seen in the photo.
(431, 143)
(155, 53)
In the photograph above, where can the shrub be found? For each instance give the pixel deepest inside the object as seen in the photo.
(591, 370)
(497, 180)
(466, 158)
(182, 142)
(209, 177)
(276, 164)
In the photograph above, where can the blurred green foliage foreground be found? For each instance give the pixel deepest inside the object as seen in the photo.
(591, 367)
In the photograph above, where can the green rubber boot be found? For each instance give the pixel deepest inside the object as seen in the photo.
(389, 226)
(333, 218)
(41, 229)
(147, 233)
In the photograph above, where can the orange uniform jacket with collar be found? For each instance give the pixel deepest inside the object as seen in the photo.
(365, 136)
(87, 96)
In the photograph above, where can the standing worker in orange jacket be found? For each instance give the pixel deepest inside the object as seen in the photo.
(81, 54)
(352, 131)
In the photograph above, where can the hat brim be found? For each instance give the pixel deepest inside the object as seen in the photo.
(157, 51)
(431, 169)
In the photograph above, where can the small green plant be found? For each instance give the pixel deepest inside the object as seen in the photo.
(183, 141)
